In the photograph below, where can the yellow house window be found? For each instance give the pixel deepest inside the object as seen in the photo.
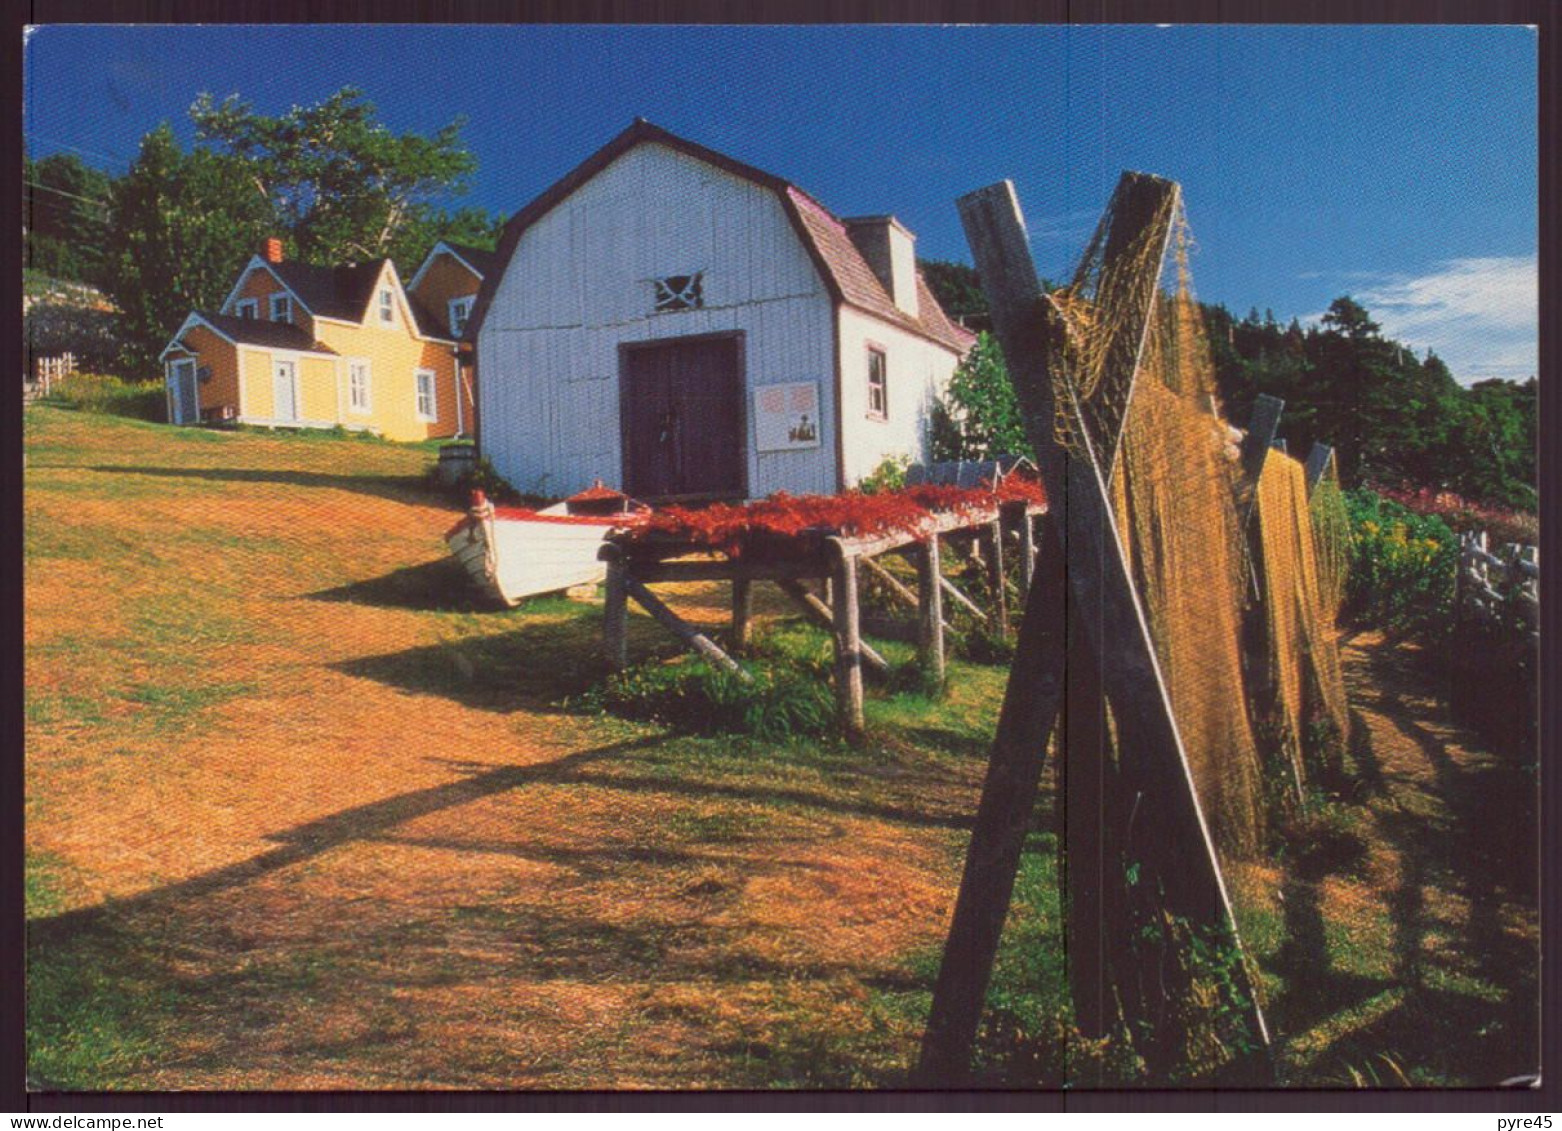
(428, 410)
(358, 387)
(460, 311)
(387, 306)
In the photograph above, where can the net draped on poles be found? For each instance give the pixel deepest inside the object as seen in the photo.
(1300, 605)
(1331, 536)
(1173, 493)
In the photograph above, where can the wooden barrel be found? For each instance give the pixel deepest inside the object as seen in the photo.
(455, 460)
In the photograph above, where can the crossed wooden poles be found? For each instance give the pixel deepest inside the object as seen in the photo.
(1084, 643)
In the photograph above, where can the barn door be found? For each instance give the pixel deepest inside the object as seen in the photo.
(682, 406)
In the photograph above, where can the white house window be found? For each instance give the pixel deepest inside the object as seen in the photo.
(460, 311)
(427, 409)
(387, 306)
(247, 308)
(878, 384)
(281, 307)
(358, 386)
(679, 292)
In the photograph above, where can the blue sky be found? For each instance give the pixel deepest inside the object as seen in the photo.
(1397, 164)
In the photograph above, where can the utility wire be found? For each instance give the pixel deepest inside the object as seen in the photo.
(74, 196)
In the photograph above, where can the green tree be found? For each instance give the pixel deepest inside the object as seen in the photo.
(341, 184)
(180, 224)
(65, 206)
(956, 286)
(476, 227)
(980, 416)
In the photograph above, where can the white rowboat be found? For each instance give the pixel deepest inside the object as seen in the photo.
(514, 552)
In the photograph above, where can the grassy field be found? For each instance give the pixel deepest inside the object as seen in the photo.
(301, 815)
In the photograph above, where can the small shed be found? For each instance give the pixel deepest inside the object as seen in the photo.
(688, 327)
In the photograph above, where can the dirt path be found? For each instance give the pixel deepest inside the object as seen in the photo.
(1411, 938)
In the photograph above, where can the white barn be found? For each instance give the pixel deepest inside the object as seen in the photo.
(687, 327)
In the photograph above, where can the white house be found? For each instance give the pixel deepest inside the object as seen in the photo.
(684, 326)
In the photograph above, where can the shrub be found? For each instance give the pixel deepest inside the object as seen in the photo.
(1503, 524)
(890, 475)
(979, 417)
(52, 327)
(1402, 567)
(99, 392)
(482, 477)
(688, 694)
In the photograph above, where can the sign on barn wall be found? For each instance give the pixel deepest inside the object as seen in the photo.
(786, 417)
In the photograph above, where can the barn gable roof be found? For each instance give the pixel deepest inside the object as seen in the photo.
(846, 274)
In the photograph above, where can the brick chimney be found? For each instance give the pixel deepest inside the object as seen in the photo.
(271, 250)
(891, 251)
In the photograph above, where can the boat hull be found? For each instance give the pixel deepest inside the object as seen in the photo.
(520, 554)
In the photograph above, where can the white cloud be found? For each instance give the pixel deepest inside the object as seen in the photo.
(1481, 315)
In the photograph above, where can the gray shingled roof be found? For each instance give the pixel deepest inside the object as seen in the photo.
(259, 332)
(483, 262)
(332, 292)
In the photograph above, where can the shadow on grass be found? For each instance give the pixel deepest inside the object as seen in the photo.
(306, 977)
(537, 666)
(440, 586)
(411, 489)
(1459, 1002)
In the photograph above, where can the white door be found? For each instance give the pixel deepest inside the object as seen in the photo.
(187, 406)
(285, 389)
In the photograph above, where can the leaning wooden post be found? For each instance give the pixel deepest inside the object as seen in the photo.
(1154, 765)
(1262, 425)
(615, 608)
(821, 614)
(1318, 460)
(742, 611)
(848, 642)
(691, 636)
(930, 612)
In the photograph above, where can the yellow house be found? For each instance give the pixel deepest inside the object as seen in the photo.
(300, 346)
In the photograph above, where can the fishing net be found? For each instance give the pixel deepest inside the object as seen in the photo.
(1331, 536)
(1173, 494)
(1306, 685)
(1105, 304)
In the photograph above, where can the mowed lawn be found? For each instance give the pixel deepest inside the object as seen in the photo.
(301, 815)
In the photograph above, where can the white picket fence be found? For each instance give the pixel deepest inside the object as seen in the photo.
(46, 372)
(1498, 586)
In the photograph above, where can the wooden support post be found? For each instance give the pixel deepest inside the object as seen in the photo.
(1027, 552)
(995, 578)
(742, 611)
(615, 609)
(901, 592)
(930, 618)
(822, 614)
(1261, 428)
(965, 602)
(1170, 838)
(1317, 463)
(848, 643)
(675, 624)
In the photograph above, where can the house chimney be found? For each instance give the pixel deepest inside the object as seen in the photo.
(271, 250)
(891, 251)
